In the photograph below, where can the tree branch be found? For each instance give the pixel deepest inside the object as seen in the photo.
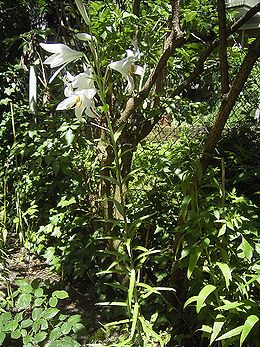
(174, 40)
(222, 23)
(229, 101)
(136, 7)
(199, 68)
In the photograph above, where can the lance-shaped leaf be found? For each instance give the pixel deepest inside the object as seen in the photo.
(247, 327)
(225, 269)
(203, 294)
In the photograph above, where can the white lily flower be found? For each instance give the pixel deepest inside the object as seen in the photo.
(127, 68)
(79, 92)
(62, 54)
(79, 100)
(81, 81)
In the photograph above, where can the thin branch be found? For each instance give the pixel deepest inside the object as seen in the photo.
(229, 101)
(222, 23)
(174, 40)
(199, 68)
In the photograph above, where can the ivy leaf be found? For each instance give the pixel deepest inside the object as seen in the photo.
(247, 327)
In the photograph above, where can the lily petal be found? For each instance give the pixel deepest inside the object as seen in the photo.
(62, 54)
(138, 70)
(67, 103)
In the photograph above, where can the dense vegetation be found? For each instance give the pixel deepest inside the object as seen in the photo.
(142, 180)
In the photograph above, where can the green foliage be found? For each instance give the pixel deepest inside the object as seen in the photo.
(51, 187)
(32, 317)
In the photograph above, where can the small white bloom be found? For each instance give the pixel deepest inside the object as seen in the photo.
(127, 67)
(86, 37)
(62, 54)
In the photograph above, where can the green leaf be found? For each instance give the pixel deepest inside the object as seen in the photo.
(79, 329)
(189, 301)
(25, 286)
(36, 326)
(24, 301)
(217, 326)
(247, 327)
(60, 294)
(66, 328)
(37, 313)
(63, 203)
(150, 332)
(135, 317)
(246, 248)
(53, 302)
(5, 317)
(225, 269)
(16, 334)
(76, 318)
(19, 316)
(149, 290)
(2, 337)
(27, 339)
(40, 336)
(26, 323)
(229, 306)
(11, 325)
(23, 332)
(206, 329)
(50, 313)
(234, 332)
(39, 301)
(203, 294)
(55, 334)
(194, 257)
(39, 292)
(65, 342)
(69, 136)
(44, 324)
(123, 321)
(222, 230)
(131, 287)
